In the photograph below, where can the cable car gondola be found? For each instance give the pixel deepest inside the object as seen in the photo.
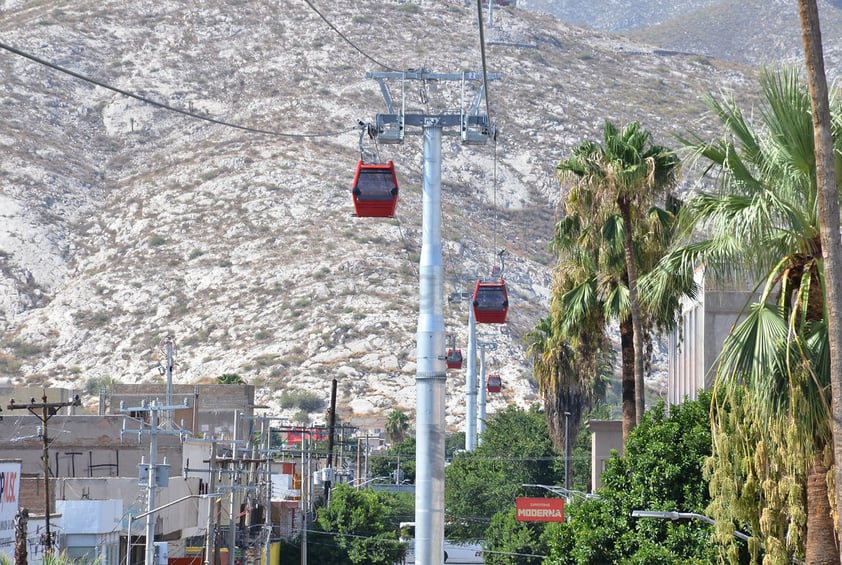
(454, 358)
(375, 190)
(491, 302)
(494, 384)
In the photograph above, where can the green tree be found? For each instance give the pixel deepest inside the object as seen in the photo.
(397, 426)
(516, 449)
(356, 529)
(509, 542)
(567, 392)
(616, 185)
(770, 464)
(230, 379)
(401, 456)
(453, 443)
(661, 469)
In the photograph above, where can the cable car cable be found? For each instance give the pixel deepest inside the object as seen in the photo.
(488, 113)
(351, 43)
(161, 105)
(482, 55)
(406, 246)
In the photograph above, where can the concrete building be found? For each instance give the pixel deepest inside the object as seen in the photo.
(208, 409)
(90, 517)
(606, 437)
(705, 323)
(693, 350)
(81, 446)
(93, 461)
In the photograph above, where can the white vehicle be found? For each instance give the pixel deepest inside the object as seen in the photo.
(455, 552)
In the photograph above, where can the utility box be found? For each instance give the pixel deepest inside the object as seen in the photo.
(161, 474)
(161, 553)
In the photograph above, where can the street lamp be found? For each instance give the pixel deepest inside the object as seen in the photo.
(361, 483)
(567, 494)
(667, 515)
(150, 547)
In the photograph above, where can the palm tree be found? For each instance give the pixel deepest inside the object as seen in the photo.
(563, 389)
(772, 421)
(616, 185)
(828, 206)
(397, 426)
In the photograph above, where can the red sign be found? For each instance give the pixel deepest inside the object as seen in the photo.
(540, 509)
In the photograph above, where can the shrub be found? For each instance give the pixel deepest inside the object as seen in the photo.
(304, 400)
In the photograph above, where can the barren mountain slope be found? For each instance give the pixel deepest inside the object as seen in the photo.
(758, 32)
(123, 221)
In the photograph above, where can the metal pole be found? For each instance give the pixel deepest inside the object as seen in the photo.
(210, 537)
(267, 518)
(303, 498)
(358, 476)
(169, 367)
(129, 541)
(232, 504)
(150, 487)
(45, 457)
(483, 392)
(471, 385)
(430, 372)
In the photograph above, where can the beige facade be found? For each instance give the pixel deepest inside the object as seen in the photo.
(82, 446)
(606, 437)
(694, 348)
(208, 409)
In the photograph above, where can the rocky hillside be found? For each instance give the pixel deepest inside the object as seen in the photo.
(756, 32)
(123, 221)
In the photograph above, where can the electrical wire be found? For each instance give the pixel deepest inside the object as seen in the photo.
(351, 43)
(163, 106)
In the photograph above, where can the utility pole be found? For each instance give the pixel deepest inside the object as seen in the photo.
(167, 351)
(331, 428)
(430, 353)
(152, 474)
(210, 534)
(232, 506)
(305, 494)
(267, 456)
(44, 411)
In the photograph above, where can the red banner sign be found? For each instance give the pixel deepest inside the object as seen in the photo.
(540, 509)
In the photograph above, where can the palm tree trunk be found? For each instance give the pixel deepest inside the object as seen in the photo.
(627, 373)
(828, 216)
(637, 326)
(820, 546)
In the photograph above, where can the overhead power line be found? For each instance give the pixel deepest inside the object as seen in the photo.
(165, 106)
(343, 36)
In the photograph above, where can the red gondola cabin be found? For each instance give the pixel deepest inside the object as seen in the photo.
(453, 358)
(375, 190)
(491, 302)
(495, 384)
